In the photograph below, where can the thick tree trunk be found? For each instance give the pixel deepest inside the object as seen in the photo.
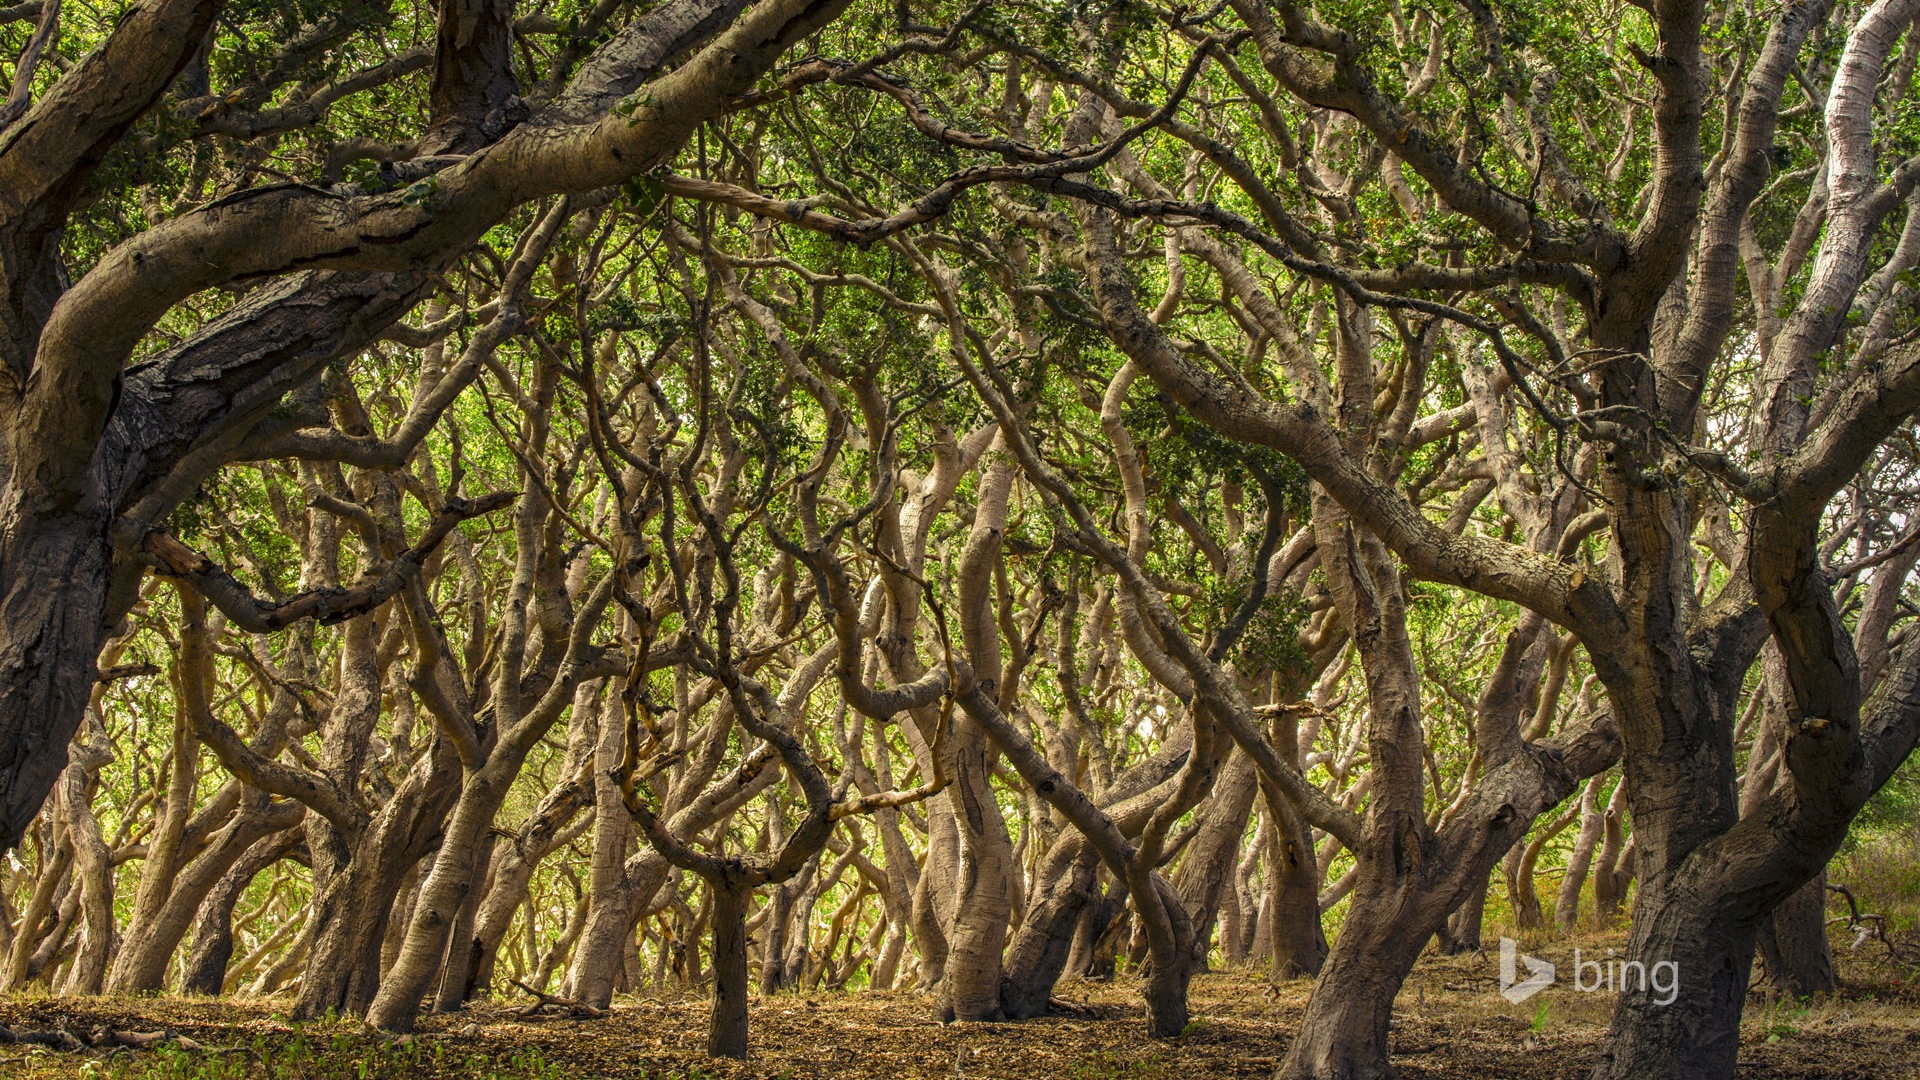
(983, 890)
(443, 893)
(1171, 939)
(1343, 1035)
(457, 969)
(53, 598)
(983, 894)
(727, 1028)
(1042, 947)
(350, 916)
(1683, 1021)
(357, 882)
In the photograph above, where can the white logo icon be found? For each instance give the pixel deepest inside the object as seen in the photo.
(1514, 989)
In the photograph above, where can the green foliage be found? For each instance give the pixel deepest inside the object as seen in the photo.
(1271, 642)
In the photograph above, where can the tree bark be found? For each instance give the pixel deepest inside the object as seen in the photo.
(211, 947)
(1794, 949)
(727, 1027)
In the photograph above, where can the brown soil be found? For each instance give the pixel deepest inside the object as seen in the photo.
(1450, 1024)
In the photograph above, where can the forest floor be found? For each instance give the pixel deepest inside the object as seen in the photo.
(1449, 1024)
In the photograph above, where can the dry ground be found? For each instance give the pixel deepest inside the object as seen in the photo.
(1450, 1025)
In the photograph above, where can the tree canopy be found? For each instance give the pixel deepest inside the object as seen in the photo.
(947, 496)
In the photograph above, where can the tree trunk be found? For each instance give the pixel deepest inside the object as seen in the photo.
(779, 919)
(1615, 870)
(1292, 927)
(727, 1028)
(136, 968)
(551, 826)
(56, 861)
(1794, 948)
(1096, 939)
(141, 966)
(1171, 939)
(357, 881)
(457, 969)
(53, 599)
(1566, 905)
(1681, 1021)
(1207, 869)
(92, 869)
(1040, 951)
(983, 895)
(443, 893)
(1343, 1035)
(1462, 934)
(211, 947)
(350, 916)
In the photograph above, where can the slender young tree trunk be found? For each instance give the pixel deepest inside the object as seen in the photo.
(211, 947)
(1091, 957)
(136, 968)
(1291, 918)
(1462, 933)
(1794, 946)
(92, 869)
(1566, 905)
(1614, 870)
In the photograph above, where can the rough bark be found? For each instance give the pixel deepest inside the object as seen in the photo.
(211, 947)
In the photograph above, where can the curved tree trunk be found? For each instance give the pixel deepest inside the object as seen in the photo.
(141, 966)
(1205, 877)
(1041, 949)
(1343, 1035)
(211, 947)
(92, 868)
